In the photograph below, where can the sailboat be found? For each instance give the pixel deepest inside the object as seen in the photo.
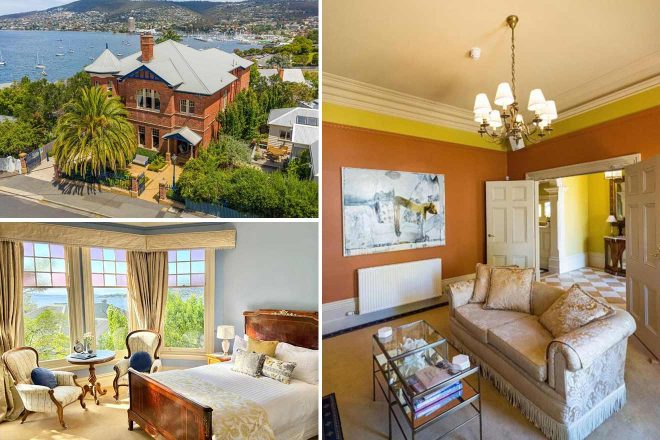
(2, 60)
(39, 65)
(70, 50)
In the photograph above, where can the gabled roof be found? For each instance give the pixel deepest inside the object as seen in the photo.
(188, 70)
(186, 134)
(106, 63)
(286, 117)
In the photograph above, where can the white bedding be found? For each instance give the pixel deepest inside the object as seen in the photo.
(292, 409)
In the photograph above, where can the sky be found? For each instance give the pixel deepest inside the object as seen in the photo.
(14, 6)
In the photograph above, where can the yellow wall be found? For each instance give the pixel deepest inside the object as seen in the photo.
(599, 209)
(576, 214)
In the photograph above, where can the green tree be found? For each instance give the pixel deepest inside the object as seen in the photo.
(47, 332)
(184, 319)
(17, 137)
(301, 167)
(94, 134)
(114, 338)
(243, 117)
(169, 34)
(230, 151)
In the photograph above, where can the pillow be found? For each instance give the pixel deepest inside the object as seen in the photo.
(482, 282)
(574, 309)
(306, 360)
(140, 361)
(239, 344)
(265, 347)
(249, 363)
(510, 289)
(43, 377)
(278, 370)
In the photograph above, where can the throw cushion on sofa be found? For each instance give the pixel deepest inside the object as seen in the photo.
(573, 310)
(510, 289)
(482, 282)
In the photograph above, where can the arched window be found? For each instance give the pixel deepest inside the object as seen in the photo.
(148, 99)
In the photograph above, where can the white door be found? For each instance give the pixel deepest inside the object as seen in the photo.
(643, 249)
(510, 223)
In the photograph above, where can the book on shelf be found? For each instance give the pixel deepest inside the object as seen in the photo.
(438, 404)
(432, 398)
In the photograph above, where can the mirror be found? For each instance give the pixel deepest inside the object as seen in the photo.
(618, 198)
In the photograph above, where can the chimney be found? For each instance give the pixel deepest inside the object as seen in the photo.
(147, 47)
(280, 72)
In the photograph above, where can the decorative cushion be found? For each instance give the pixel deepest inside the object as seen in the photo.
(43, 377)
(249, 363)
(573, 310)
(239, 344)
(524, 342)
(264, 347)
(482, 282)
(478, 321)
(278, 370)
(140, 361)
(510, 289)
(306, 360)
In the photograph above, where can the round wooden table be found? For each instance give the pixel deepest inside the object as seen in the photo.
(94, 387)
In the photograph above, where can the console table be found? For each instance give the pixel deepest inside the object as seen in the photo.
(614, 249)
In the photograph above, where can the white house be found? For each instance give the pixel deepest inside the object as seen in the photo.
(286, 75)
(297, 128)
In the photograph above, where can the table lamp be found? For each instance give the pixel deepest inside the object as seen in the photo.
(226, 333)
(611, 220)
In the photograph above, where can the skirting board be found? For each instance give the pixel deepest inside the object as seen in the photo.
(597, 260)
(340, 315)
(572, 262)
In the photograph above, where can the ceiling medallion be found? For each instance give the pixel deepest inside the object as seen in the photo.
(509, 124)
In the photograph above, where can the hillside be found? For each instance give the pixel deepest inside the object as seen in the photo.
(112, 14)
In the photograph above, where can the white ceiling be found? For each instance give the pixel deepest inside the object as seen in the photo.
(576, 51)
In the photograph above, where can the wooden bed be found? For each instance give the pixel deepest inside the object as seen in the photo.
(162, 411)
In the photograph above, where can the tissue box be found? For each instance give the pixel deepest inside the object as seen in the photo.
(384, 332)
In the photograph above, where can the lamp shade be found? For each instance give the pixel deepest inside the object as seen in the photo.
(536, 101)
(611, 219)
(225, 332)
(504, 95)
(549, 112)
(481, 104)
(494, 119)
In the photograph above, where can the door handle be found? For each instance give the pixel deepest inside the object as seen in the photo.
(491, 236)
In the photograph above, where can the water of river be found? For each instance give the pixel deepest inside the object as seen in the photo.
(21, 48)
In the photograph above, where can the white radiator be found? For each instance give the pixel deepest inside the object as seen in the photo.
(384, 287)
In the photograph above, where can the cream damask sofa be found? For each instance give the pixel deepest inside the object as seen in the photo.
(567, 386)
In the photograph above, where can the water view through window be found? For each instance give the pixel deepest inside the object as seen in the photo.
(45, 300)
(109, 281)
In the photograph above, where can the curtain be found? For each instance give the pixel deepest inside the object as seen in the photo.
(74, 292)
(11, 306)
(147, 287)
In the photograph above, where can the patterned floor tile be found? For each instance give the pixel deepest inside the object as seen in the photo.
(598, 283)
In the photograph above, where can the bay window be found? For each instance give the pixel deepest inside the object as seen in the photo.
(45, 301)
(110, 297)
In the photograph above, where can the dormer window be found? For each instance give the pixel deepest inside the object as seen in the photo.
(148, 99)
(187, 106)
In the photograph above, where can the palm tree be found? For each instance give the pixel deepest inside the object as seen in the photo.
(169, 34)
(94, 134)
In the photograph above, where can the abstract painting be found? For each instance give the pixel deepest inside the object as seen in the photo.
(387, 211)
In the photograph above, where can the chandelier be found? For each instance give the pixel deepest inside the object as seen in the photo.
(509, 124)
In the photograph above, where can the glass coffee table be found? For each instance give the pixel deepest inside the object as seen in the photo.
(413, 369)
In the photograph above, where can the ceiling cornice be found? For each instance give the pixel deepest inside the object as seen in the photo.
(359, 95)
(356, 94)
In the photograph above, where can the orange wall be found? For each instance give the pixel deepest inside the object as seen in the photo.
(465, 169)
(636, 133)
